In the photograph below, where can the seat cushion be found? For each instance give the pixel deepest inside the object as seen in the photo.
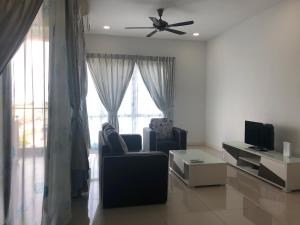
(166, 145)
(163, 127)
(133, 142)
(113, 140)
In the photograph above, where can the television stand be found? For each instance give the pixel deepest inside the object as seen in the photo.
(271, 166)
(258, 148)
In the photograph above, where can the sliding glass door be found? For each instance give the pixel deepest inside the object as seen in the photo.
(30, 114)
(30, 93)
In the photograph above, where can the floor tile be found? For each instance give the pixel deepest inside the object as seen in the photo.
(137, 218)
(247, 216)
(186, 202)
(199, 218)
(221, 198)
(288, 213)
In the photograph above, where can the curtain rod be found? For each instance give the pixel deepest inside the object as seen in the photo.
(96, 55)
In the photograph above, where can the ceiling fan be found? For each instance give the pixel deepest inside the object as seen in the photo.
(162, 25)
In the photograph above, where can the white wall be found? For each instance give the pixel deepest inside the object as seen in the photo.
(190, 71)
(253, 73)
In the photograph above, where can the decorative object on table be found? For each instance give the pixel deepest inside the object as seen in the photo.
(196, 161)
(161, 135)
(286, 149)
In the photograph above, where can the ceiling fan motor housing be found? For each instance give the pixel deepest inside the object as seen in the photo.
(162, 25)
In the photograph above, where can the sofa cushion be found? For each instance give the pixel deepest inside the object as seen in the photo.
(163, 127)
(133, 142)
(112, 138)
(107, 129)
(123, 144)
(166, 145)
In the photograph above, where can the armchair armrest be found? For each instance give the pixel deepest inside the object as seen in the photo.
(180, 136)
(134, 179)
(133, 142)
(149, 139)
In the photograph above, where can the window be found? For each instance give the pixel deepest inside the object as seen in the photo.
(30, 88)
(97, 114)
(137, 107)
(135, 113)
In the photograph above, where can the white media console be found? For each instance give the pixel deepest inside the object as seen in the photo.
(270, 166)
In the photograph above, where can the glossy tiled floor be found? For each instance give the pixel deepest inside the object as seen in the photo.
(245, 200)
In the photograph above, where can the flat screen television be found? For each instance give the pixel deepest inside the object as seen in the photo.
(259, 135)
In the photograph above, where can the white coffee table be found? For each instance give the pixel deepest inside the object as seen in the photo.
(196, 167)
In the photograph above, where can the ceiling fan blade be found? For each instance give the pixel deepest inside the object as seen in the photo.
(150, 34)
(155, 21)
(139, 27)
(181, 24)
(175, 31)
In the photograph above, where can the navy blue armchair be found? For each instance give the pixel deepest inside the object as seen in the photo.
(131, 178)
(174, 139)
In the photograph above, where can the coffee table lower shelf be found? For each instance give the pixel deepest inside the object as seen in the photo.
(180, 177)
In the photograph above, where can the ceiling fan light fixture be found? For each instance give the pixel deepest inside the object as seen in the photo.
(106, 27)
(196, 34)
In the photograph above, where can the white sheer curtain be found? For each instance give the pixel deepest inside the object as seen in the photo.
(30, 108)
(57, 197)
(158, 75)
(97, 114)
(137, 107)
(135, 113)
(2, 210)
(111, 74)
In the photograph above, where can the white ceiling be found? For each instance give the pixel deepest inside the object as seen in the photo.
(211, 17)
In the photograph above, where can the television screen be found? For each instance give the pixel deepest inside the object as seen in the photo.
(268, 136)
(260, 135)
(253, 132)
